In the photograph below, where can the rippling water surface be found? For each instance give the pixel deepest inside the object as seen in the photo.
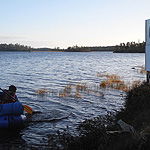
(31, 71)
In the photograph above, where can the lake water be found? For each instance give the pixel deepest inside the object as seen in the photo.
(57, 72)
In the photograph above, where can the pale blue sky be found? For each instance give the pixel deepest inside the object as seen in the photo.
(64, 23)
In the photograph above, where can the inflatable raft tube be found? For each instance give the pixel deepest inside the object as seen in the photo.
(11, 115)
(12, 121)
(11, 109)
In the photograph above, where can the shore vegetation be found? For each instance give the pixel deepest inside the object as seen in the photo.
(105, 132)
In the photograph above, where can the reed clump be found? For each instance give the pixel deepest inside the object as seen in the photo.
(72, 90)
(42, 92)
(141, 69)
(108, 81)
(112, 81)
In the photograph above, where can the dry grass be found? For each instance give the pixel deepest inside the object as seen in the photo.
(108, 81)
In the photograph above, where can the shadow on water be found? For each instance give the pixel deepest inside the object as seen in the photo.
(11, 139)
(39, 124)
(54, 115)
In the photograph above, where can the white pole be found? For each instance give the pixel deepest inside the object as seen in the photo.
(147, 49)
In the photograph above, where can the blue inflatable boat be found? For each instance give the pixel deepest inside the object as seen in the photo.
(11, 115)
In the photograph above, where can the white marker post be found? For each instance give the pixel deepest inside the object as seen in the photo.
(147, 49)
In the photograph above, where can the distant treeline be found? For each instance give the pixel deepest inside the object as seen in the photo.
(130, 47)
(89, 49)
(14, 47)
(18, 47)
(47, 49)
(77, 49)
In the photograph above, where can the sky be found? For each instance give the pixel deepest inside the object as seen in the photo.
(64, 23)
